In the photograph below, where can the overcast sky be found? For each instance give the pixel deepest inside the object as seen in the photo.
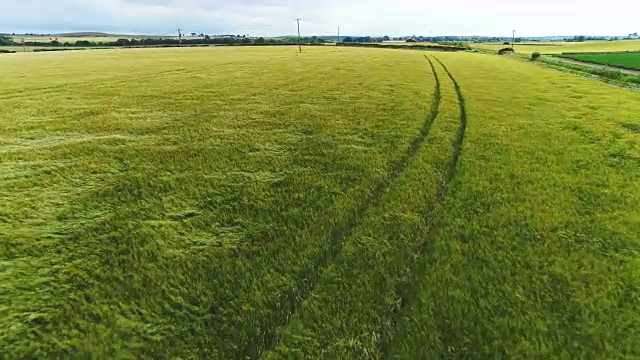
(322, 17)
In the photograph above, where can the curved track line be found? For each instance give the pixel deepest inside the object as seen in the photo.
(404, 289)
(463, 124)
(265, 334)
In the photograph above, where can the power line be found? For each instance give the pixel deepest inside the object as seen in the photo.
(299, 39)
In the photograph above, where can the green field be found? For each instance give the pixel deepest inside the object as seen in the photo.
(624, 60)
(561, 47)
(246, 203)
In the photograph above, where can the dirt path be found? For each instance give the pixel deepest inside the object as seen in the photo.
(594, 66)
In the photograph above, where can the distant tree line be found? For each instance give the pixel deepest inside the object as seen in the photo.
(206, 40)
(599, 38)
(422, 39)
(365, 39)
(437, 47)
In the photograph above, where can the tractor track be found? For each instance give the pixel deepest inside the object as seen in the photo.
(286, 305)
(404, 289)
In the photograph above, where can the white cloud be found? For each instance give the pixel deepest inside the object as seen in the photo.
(356, 17)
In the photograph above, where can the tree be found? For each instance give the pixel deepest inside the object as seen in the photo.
(194, 34)
(4, 40)
(260, 40)
(385, 38)
(123, 42)
(505, 51)
(347, 39)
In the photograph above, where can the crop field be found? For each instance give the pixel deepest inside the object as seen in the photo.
(561, 47)
(245, 203)
(43, 48)
(11, 48)
(96, 39)
(624, 60)
(63, 39)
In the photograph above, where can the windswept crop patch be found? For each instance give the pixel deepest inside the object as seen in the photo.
(186, 189)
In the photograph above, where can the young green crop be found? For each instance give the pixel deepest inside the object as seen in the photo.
(624, 60)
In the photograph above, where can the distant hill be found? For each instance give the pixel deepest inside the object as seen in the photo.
(87, 34)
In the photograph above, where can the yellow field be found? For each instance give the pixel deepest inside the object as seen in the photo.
(12, 48)
(73, 39)
(62, 39)
(342, 203)
(560, 47)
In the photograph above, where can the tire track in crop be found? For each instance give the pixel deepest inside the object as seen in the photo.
(404, 288)
(265, 334)
(462, 131)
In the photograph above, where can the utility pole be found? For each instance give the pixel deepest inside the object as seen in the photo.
(513, 39)
(180, 37)
(24, 47)
(338, 33)
(299, 39)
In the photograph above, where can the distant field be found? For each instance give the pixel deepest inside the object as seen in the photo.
(46, 39)
(97, 39)
(32, 48)
(629, 61)
(11, 48)
(560, 47)
(343, 203)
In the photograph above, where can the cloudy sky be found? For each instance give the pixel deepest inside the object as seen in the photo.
(322, 17)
